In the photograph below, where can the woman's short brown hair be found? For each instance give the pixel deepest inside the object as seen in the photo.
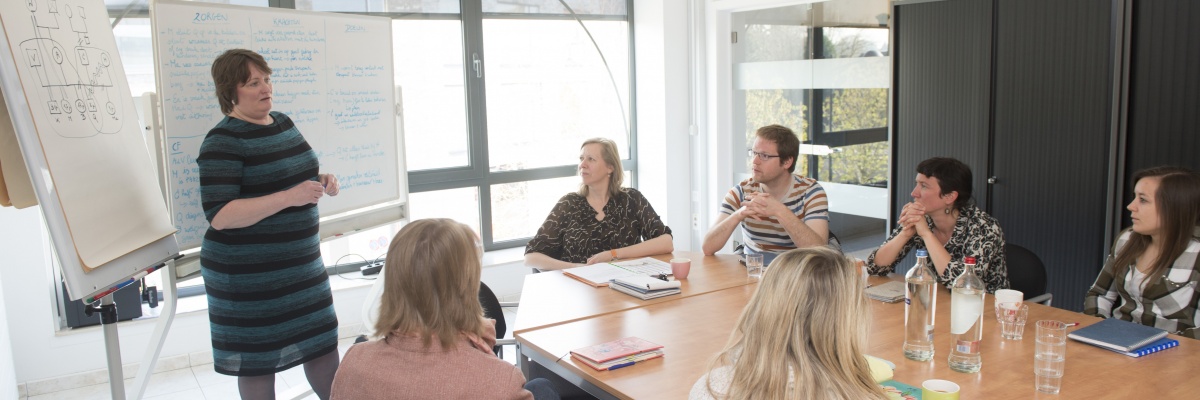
(231, 69)
(431, 283)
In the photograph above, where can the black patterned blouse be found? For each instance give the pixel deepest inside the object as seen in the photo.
(571, 232)
(976, 234)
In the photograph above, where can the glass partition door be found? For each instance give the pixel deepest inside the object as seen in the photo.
(821, 69)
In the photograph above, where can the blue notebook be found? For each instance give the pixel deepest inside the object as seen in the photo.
(1118, 335)
(1157, 346)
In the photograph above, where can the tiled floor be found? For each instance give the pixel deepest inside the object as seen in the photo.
(195, 383)
(202, 383)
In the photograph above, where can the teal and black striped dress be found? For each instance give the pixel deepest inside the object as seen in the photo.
(269, 303)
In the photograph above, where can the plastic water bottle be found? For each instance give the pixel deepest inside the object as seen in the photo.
(966, 319)
(920, 305)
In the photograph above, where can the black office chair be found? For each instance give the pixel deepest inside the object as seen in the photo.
(1027, 274)
(834, 242)
(493, 308)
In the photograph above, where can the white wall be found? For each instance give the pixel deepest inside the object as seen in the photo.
(39, 352)
(8, 374)
(664, 139)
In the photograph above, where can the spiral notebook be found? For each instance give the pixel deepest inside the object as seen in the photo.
(1118, 335)
(1157, 346)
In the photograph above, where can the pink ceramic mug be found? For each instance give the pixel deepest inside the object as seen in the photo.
(680, 267)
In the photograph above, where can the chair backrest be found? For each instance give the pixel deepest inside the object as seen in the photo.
(1025, 270)
(834, 242)
(491, 309)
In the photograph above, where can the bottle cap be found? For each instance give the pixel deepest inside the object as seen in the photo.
(969, 260)
(922, 253)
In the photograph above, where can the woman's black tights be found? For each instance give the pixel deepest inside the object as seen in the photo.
(319, 371)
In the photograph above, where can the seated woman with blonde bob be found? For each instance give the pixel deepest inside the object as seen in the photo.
(1152, 278)
(435, 342)
(602, 221)
(801, 336)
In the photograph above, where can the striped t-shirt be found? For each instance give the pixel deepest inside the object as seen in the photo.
(806, 199)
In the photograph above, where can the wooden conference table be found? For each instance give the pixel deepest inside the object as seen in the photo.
(558, 314)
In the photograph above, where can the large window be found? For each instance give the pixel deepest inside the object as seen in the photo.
(496, 96)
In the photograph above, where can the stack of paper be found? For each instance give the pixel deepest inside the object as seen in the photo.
(618, 353)
(601, 274)
(644, 287)
(890, 292)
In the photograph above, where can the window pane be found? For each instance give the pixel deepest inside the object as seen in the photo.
(777, 106)
(363, 245)
(553, 100)
(429, 71)
(861, 164)
(856, 99)
(519, 208)
(394, 6)
(137, 54)
(581, 7)
(460, 204)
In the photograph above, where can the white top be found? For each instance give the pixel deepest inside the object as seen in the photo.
(1134, 284)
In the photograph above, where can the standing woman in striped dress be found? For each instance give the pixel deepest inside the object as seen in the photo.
(269, 303)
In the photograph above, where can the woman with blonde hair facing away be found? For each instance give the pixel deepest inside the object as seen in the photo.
(1152, 278)
(602, 221)
(800, 337)
(434, 341)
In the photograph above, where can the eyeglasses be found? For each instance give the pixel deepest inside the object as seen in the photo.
(761, 156)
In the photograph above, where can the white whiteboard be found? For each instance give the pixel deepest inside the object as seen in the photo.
(66, 92)
(332, 74)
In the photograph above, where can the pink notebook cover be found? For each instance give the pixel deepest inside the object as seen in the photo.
(615, 349)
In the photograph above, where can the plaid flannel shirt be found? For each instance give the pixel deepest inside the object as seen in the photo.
(1169, 302)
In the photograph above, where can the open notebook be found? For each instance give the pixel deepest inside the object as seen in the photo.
(600, 275)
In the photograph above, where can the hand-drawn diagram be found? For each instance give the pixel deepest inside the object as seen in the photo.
(78, 85)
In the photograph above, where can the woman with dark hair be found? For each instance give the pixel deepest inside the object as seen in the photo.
(602, 221)
(942, 220)
(1153, 278)
(269, 303)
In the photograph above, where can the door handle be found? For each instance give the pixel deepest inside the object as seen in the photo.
(992, 180)
(477, 65)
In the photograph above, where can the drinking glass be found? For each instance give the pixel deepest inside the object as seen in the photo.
(1050, 356)
(754, 265)
(1011, 316)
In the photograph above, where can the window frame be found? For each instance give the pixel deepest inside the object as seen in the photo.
(478, 172)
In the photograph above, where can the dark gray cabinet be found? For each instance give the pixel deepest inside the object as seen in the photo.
(1020, 90)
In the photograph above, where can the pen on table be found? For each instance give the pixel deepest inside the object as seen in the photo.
(1070, 324)
(622, 365)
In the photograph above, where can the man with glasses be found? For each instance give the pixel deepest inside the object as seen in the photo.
(776, 209)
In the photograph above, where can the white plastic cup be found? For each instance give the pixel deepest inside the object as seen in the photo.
(1009, 296)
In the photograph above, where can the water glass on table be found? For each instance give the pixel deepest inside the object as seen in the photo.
(754, 265)
(1050, 356)
(1011, 317)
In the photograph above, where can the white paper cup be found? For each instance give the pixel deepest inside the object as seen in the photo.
(1009, 296)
